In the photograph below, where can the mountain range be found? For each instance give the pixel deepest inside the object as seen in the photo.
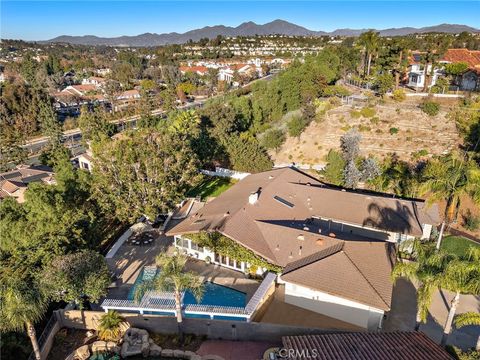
(279, 27)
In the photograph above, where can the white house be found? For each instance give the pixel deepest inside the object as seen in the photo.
(96, 81)
(334, 248)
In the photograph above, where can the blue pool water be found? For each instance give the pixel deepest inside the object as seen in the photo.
(213, 294)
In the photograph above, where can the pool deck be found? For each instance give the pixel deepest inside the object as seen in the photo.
(129, 261)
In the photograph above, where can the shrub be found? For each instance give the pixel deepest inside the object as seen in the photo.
(273, 139)
(355, 114)
(393, 131)
(296, 126)
(471, 222)
(364, 128)
(430, 108)
(420, 153)
(399, 95)
(384, 83)
(375, 120)
(110, 326)
(368, 112)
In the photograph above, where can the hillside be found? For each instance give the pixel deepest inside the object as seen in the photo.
(400, 128)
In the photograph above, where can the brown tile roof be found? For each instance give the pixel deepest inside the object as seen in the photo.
(296, 223)
(20, 177)
(471, 57)
(309, 198)
(358, 271)
(11, 186)
(363, 346)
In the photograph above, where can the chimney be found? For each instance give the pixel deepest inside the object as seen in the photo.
(253, 198)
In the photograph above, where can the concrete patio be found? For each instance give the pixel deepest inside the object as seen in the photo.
(130, 259)
(404, 308)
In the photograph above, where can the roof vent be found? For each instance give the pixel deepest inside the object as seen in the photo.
(309, 184)
(253, 198)
(227, 213)
(277, 248)
(300, 237)
(332, 235)
(270, 177)
(306, 228)
(300, 251)
(319, 242)
(291, 255)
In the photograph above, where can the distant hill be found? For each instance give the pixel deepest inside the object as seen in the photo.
(279, 27)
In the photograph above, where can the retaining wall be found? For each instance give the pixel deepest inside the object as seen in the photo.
(212, 329)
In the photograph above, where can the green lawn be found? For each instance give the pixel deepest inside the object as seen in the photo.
(456, 244)
(211, 186)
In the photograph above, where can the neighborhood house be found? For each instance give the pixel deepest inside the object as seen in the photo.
(335, 248)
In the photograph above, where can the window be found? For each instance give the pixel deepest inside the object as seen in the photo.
(414, 78)
(185, 243)
(194, 246)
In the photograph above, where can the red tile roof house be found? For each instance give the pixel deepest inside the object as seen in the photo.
(336, 248)
(361, 345)
(469, 81)
(199, 70)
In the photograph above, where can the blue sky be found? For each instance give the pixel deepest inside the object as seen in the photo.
(41, 20)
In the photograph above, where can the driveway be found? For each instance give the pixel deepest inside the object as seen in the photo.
(404, 308)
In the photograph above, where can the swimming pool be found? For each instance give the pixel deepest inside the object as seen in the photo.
(214, 294)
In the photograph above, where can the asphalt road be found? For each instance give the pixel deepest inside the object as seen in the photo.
(72, 137)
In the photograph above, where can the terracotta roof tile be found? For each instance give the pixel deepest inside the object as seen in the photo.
(363, 346)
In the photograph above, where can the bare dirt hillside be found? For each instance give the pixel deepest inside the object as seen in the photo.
(393, 127)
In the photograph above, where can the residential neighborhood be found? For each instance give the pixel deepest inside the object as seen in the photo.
(239, 180)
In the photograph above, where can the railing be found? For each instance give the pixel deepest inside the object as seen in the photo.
(260, 293)
(164, 302)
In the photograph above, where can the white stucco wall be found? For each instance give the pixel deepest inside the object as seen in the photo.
(336, 307)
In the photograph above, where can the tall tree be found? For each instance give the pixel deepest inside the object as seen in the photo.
(145, 172)
(94, 125)
(370, 41)
(461, 276)
(74, 277)
(23, 304)
(435, 47)
(450, 178)
(427, 270)
(173, 278)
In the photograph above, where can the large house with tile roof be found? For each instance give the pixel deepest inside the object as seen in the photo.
(468, 81)
(335, 247)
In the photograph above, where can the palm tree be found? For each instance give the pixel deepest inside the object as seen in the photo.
(22, 305)
(110, 326)
(173, 278)
(449, 178)
(468, 318)
(427, 271)
(435, 48)
(370, 42)
(461, 276)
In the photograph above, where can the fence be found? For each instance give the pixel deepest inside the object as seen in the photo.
(45, 340)
(444, 96)
(358, 84)
(164, 304)
(212, 329)
(226, 173)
